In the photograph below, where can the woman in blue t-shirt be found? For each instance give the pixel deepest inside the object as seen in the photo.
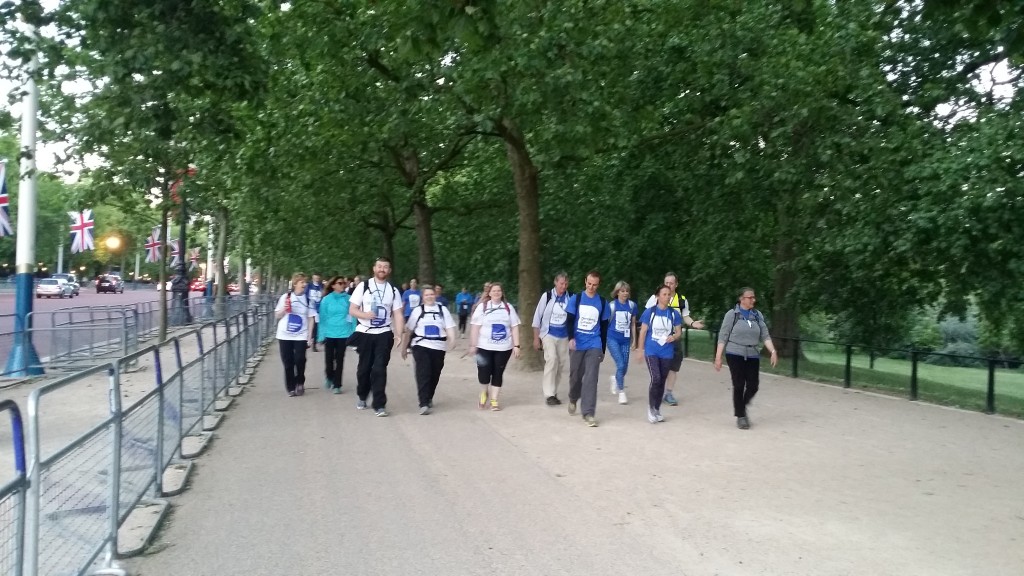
(621, 333)
(660, 326)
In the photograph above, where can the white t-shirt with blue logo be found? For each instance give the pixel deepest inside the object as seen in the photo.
(496, 322)
(382, 299)
(429, 324)
(295, 326)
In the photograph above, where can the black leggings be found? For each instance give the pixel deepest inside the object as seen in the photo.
(334, 359)
(462, 322)
(490, 365)
(745, 374)
(429, 363)
(293, 356)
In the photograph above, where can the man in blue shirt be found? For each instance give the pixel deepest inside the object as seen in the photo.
(588, 339)
(410, 298)
(439, 296)
(463, 306)
(315, 293)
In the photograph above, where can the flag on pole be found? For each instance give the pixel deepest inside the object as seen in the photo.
(81, 231)
(153, 246)
(175, 254)
(194, 258)
(5, 216)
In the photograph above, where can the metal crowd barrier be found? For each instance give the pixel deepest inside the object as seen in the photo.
(62, 512)
(12, 499)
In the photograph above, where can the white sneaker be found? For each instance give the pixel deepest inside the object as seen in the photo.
(622, 398)
(651, 416)
(659, 417)
(614, 384)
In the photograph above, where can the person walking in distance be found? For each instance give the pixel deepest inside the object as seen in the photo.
(430, 333)
(660, 328)
(439, 296)
(621, 335)
(588, 339)
(336, 327)
(494, 338)
(551, 334)
(679, 303)
(743, 328)
(410, 298)
(377, 304)
(315, 293)
(463, 305)
(294, 315)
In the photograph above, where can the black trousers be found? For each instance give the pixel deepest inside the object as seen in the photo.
(313, 327)
(293, 355)
(745, 374)
(372, 372)
(429, 364)
(490, 366)
(462, 323)
(334, 359)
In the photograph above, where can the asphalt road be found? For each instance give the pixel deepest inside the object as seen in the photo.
(44, 308)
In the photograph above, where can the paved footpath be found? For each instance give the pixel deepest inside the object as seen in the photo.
(827, 482)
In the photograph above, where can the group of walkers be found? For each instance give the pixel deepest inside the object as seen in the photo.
(574, 330)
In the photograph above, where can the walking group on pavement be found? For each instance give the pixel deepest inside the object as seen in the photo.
(574, 330)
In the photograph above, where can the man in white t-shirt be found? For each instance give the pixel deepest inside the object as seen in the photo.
(377, 305)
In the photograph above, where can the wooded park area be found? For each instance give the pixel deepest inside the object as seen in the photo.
(858, 162)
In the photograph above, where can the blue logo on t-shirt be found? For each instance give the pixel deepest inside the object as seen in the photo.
(294, 324)
(432, 330)
(498, 333)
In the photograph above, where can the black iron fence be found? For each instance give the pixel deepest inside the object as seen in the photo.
(988, 384)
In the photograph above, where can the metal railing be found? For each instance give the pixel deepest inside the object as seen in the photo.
(12, 499)
(988, 384)
(61, 515)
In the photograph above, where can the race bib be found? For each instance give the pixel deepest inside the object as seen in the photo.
(381, 317)
(558, 315)
(498, 333)
(660, 329)
(587, 319)
(294, 324)
(622, 322)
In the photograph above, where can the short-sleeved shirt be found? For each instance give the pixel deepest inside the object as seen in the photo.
(429, 326)
(589, 314)
(660, 325)
(464, 303)
(294, 325)
(680, 303)
(381, 298)
(621, 320)
(496, 322)
(410, 300)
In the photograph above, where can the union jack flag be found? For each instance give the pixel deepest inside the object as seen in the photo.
(193, 258)
(175, 254)
(81, 230)
(153, 253)
(5, 216)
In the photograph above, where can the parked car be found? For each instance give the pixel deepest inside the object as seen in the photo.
(118, 280)
(51, 287)
(107, 283)
(70, 279)
(198, 285)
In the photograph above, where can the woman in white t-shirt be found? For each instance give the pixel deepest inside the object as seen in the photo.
(295, 314)
(430, 332)
(495, 339)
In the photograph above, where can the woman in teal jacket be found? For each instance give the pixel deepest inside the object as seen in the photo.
(335, 327)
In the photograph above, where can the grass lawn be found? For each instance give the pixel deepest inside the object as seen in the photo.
(946, 385)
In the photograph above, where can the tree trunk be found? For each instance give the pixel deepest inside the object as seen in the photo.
(243, 286)
(425, 236)
(524, 175)
(222, 248)
(785, 305)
